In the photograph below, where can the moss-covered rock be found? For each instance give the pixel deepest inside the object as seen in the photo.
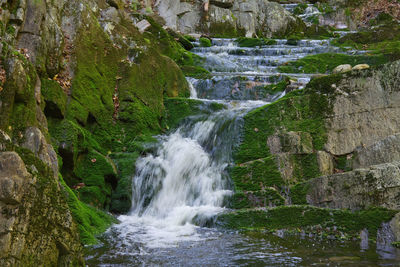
(205, 42)
(91, 221)
(325, 63)
(253, 42)
(324, 222)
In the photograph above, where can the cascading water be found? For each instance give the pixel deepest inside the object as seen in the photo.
(184, 183)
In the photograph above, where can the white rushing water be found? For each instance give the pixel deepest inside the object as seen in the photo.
(185, 182)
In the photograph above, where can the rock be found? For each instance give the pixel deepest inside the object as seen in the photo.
(342, 68)
(291, 142)
(222, 3)
(110, 14)
(372, 113)
(378, 185)
(325, 162)
(169, 10)
(382, 151)
(35, 218)
(18, 17)
(143, 25)
(13, 175)
(230, 18)
(361, 67)
(36, 142)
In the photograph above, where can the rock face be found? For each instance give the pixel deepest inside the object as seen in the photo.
(229, 18)
(82, 80)
(36, 224)
(346, 123)
(365, 110)
(378, 185)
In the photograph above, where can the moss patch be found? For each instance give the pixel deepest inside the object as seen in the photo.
(305, 217)
(253, 42)
(324, 63)
(91, 221)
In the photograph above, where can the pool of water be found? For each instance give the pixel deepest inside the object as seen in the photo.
(216, 247)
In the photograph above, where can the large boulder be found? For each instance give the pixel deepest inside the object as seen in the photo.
(229, 18)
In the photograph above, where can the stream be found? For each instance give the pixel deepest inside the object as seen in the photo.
(179, 188)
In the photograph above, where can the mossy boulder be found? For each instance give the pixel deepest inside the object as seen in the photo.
(205, 42)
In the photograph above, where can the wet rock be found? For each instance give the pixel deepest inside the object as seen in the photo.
(342, 68)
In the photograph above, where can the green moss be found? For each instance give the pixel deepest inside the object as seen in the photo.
(177, 109)
(279, 87)
(305, 166)
(224, 30)
(121, 198)
(256, 175)
(298, 193)
(265, 198)
(300, 9)
(305, 217)
(253, 42)
(91, 221)
(295, 112)
(396, 244)
(205, 42)
(190, 38)
(323, 63)
(55, 97)
(98, 174)
(196, 72)
(383, 40)
(344, 163)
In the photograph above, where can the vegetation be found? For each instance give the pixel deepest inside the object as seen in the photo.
(339, 223)
(325, 63)
(253, 42)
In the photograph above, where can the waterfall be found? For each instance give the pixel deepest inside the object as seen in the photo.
(184, 183)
